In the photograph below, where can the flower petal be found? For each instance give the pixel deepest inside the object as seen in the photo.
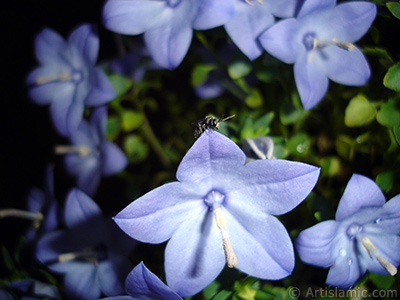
(86, 40)
(194, 256)
(273, 186)
(80, 208)
(360, 192)
(311, 81)
(143, 284)
(311, 7)
(101, 91)
(314, 244)
(98, 120)
(278, 40)
(260, 242)
(247, 24)
(154, 217)
(390, 218)
(112, 273)
(212, 13)
(347, 67)
(209, 160)
(113, 160)
(49, 45)
(82, 282)
(352, 20)
(131, 17)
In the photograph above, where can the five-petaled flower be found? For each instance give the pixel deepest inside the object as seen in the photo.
(90, 252)
(67, 77)
(142, 284)
(364, 236)
(218, 194)
(167, 24)
(90, 155)
(319, 42)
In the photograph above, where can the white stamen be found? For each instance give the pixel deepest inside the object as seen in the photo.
(87, 254)
(230, 256)
(47, 79)
(12, 212)
(320, 44)
(82, 150)
(371, 250)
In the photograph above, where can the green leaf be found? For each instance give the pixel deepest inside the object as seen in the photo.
(392, 78)
(135, 148)
(223, 295)
(239, 69)
(385, 180)
(359, 112)
(131, 120)
(289, 114)
(330, 166)
(389, 115)
(299, 143)
(200, 74)
(120, 83)
(394, 8)
(383, 282)
(396, 131)
(113, 127)
(254, 99)
(6, 257)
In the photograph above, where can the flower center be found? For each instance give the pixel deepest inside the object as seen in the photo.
(173, 3)
(353, 230)
(308, 40)
(214, 199)
(75, 76)
(81, 150)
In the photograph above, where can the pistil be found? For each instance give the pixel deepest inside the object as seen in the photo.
(319, 44)
(230, 256)
(372, 252)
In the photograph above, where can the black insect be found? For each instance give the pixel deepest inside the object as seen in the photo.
(208, 122)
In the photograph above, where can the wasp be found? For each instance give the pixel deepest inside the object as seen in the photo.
(208, 122)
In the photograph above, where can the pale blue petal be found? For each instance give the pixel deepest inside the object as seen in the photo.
(48, 46)
(390, 216)
(213, 158)
(283, 8)
(346, 67)
(352, 20)
(311, 81)
(98, 121)
(131, 17)
(112, 273)
(247, 24)
(82, 282)
(148, 219)
(360, 192)
(87, 42)
(273, 186)
(310, 7)
(101, 89)
(194, 256)
(278, 40)
(260, 241)
(213, 13)
(36, 200)
(142, 284)
(315, 244)
(113, 159)
(60, 109)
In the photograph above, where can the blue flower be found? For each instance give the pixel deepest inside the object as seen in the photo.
(90, 252)
(141, 284)
(221, 211)
(167, 24)
(319, 42)
(29, 289)
(90, 155)
(251, 18)
(364, 236)
(67, 77)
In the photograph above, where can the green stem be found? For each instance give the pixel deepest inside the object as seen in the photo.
(17, 213)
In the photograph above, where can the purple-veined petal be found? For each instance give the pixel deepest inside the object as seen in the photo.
(352, 20)
(113, 159)
(48, 46)
(101, 89)
(82, 282)
(131, 17)
(247, 24)
(311, 81)
(360, 192)
(212, 156)
(80, 208)
(346, 270)
(310, 7)
(141, 283)
(347, 67)
(278, 40)
(169, 40)
(86, 40)
(315, 244)
(154, 217)
(111, 274)
(273, 186)
(390, 216)
(260, 242)
(212, 13)
(194, 255)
